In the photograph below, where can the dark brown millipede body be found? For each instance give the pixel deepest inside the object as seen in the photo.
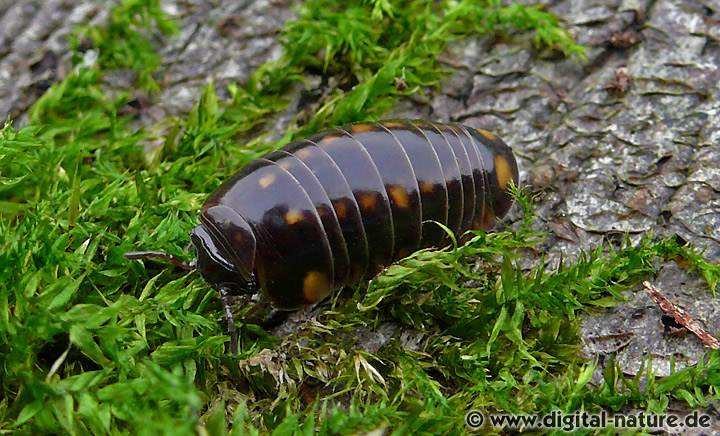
(339, 206)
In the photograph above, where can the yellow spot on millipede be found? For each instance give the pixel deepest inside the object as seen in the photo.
(399, 196)
(329, 138)
(303, 153)
(362, 128)
(340, 209)
(285, 165)
(426, 186)
(394, 125)
(323, 211)
(503, 171)
(368, 201)
(487, 135)
(266, 181)
(293, 216)
(486, 221)
(316, 286)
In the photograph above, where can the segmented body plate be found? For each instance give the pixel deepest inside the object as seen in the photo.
(339, 206)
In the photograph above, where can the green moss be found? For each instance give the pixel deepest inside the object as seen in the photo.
(92, 343)
(125, 42)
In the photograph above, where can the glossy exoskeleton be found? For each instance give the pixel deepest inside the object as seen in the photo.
(337, 207)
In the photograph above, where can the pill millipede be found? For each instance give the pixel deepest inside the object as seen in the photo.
(337, 207)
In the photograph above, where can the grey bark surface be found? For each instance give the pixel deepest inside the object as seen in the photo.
(607, 163)
(34, 48)
(607, 158)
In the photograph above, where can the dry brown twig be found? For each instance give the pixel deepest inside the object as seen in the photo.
(681, 317)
